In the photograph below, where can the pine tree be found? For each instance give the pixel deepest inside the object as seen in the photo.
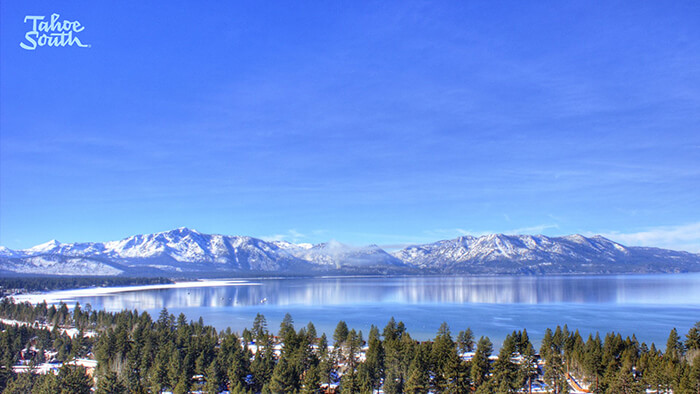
(247, 336)
(175, 368)
(237, 370)
(523, 341)
(552, 352)
(200, 364)
(262, 367)
(465, 341)
(349, 381)
(181, 387)
(554, 372)
(674, 347)
(505, 371)
(341, 334)
(445, 361)
(74, 380)
(158, 374)
(694, 374)
(311, 380)
(371, 371)
(528, 368)
(692, 341)
(311, 333)
(48, 383)
(546, 345)
(109, 383)
(592, 365)
(213, 380)
(327, 361)
(393, 330)
(260, 332)
(480, 362)
(418, 379)
(624, 381)
(238, 389)
(399, 352)
(22, 383)
(283, 378)
(286, 332)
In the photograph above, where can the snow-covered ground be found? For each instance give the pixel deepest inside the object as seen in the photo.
(71, 332)
(53, 367)
(65, 295)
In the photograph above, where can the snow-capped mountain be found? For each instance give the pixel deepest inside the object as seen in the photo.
(336, 254)
(177, 251)
(539, 254)
(186, 252)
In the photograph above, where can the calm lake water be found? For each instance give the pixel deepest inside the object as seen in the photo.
(646, 305)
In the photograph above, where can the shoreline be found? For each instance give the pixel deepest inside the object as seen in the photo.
(57, 296)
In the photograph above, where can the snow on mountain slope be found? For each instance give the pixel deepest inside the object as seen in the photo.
(5, 252)
(336, 254)
(290, 246)
(59, 265)
(189, 252)
(498, 253)
(184, 250)
(179, 250)
(494, 247)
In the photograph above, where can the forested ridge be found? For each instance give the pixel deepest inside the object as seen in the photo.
(137, 354)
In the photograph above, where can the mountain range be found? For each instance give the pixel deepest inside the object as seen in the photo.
(188, 253)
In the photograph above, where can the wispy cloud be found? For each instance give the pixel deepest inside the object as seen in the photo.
(681, 237)
(539, 229)
(291, 235)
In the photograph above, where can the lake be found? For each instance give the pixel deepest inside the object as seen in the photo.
(646, 305)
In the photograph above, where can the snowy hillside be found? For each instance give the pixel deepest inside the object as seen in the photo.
(177, 251)
(539, 254)
(336, 254)
(190, 253)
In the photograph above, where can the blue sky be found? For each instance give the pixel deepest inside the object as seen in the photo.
(366, 122)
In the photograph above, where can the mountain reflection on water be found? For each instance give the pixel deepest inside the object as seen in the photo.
(653, 289)
(646, 305)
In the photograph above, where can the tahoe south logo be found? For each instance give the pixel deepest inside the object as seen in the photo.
(53, 32)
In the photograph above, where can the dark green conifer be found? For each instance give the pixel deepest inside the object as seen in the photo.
(340, 334)
(109, 383)
(480, 365)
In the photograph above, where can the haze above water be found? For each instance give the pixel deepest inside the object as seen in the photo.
(646, 305)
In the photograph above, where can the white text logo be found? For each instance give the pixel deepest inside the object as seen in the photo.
(53, 32)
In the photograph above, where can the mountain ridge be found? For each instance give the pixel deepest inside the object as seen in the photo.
(187, 252)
